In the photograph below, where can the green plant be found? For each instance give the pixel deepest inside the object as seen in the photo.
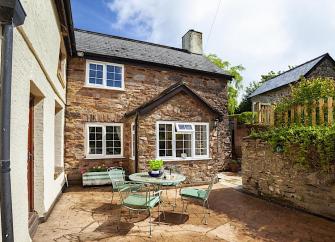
(155, 165)
(309, 147)
(306, 91)
(246, 117)
(98, 168)
(233, 86)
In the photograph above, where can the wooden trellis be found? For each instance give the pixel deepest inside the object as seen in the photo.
(319, 112)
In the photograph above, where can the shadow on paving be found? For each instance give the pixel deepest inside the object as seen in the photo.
(268, 220)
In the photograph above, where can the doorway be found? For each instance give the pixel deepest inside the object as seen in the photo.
(30, 162)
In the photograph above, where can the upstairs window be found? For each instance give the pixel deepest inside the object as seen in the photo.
(104, 75)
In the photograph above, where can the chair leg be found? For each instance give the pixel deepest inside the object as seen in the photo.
(112, 197)
(175, 198)
(204, 218)
(149, 223)
(182, 210)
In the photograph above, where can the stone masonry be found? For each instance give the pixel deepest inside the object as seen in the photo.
(272, 175)
(142, 83)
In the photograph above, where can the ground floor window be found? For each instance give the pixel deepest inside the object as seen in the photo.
(182, 140)
(104, 140)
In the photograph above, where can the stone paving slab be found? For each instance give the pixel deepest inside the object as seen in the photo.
(86, 214)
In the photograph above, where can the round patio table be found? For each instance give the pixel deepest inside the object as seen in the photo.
(174, 180)
(144, 177)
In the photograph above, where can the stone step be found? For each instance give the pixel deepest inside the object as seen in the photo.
(33, 223)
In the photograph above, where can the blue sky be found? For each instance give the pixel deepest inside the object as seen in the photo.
(261, 35)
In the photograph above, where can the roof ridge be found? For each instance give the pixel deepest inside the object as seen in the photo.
(132, 40)
(323, 55)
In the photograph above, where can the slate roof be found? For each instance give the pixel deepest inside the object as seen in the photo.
(168, 94)
(129, 49)
(289, 76)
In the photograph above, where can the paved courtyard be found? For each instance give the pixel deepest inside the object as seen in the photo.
(86, 214)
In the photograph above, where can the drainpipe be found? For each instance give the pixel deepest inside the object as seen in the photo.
(6, 79)
(136, 143)
(11, 14)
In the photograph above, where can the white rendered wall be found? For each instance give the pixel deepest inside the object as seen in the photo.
(42, 31)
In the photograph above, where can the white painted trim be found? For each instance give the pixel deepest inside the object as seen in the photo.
(104, 76)
(173, 157)
(132, 146)
(103, 155)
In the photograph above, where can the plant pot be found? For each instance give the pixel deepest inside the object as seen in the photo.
(155, 173)
(234, 167)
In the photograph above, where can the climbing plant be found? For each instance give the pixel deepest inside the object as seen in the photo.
(308, 147)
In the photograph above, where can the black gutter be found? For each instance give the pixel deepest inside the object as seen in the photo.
(15, 18)
(136, 143)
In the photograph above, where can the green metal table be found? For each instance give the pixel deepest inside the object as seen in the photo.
(172, 180)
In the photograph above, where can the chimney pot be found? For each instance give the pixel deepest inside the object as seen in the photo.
(192, 41)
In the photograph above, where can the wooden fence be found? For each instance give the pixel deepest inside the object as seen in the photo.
(319, 112)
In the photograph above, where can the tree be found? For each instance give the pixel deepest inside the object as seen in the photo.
(235, 85)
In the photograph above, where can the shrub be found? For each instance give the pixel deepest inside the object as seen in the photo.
(245, 117)
(307, 91)
(309, 147)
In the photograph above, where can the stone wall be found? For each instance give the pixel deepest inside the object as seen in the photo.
(182, 108)
(142, 83)
(272, 175)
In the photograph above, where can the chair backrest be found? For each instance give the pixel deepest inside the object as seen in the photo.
(210, 185)
(117, 176)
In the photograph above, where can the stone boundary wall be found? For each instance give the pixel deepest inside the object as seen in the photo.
(272, 175)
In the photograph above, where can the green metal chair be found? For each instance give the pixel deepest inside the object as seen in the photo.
(197, 195)
(117, 176)
(140, 197)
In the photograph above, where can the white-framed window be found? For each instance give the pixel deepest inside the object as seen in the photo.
(104, 140)
(132, 144)
(182, 140)
(104, 75)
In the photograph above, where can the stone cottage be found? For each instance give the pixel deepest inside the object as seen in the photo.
(41, 46)
(129, 101)
(278, 87)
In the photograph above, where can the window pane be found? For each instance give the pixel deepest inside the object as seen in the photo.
(118, 77)
(165, 140)
(95, 74)
(118, 69)
(183, 145)
(110, 68)
(201, 140)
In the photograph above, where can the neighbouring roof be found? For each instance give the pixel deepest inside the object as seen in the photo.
(135, 50)
(166, 95)
(289, 76)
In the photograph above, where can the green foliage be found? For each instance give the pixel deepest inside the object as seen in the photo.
(307, 91)
(235, 85)
(155, 165)
(309, 147)
(98, 168)
(245, 117)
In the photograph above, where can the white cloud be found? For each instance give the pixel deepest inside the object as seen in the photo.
(262, 35)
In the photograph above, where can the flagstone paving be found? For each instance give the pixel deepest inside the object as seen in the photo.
(86, 214)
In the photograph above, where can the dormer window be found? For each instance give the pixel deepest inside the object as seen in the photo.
(104, 75)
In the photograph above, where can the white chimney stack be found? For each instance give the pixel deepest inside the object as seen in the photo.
(192, 41)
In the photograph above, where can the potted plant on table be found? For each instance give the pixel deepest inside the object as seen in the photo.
(156, 168)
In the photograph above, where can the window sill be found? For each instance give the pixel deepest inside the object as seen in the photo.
(106, 88)
(103, 157)
(181, 159)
